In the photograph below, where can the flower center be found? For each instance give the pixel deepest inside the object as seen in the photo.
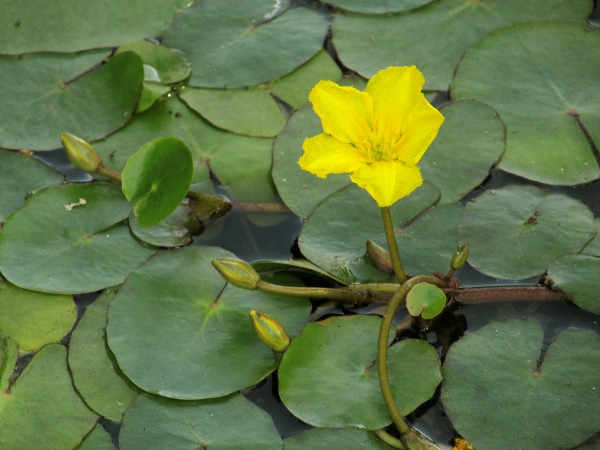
(380, 145)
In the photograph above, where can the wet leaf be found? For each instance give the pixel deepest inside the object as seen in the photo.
(337, 356)
(499, 393)
(174, 231)
(334, 439)
(516, 232)
(151, 92)
(161, 64)
(425, 300)
(577, 276)
(81, 250)
(550, 103)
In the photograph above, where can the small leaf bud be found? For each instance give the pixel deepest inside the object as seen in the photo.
(80, 153)
(237, 272)
(270, 331)
(380, 257)
(460, 257)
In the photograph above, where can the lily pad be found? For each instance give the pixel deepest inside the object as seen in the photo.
(9, 353)
(52, 94)
(34, 319)
(335, 234)
(96, 375)
(31, 26)
(468, 145)
(175, 311)
(425, 300)
(43, 407)
(174, 231)
(334, 439)
(252, 112)
(577, 276)
(337, 356)
(551, 106)
(151, 92)
(223, 423)
(516, 232)
(435, 37)
(593, 247)
(225, 40)
(378, 6)
(499, 393)
(98, 439)
(161, 64)
(20, 176)
(157, 178)
(83, 249)
(295, 87)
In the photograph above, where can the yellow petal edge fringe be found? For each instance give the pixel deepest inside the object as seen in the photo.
(378, 135)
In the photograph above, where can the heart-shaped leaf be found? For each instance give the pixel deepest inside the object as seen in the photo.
(425, 300)
(334, 439)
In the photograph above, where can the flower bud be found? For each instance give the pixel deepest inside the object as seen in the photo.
(237, 272)
(380, 257)
(460, 257)
(270, 331)
(81, 153)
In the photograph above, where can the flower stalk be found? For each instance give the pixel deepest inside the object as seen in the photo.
(392, 244)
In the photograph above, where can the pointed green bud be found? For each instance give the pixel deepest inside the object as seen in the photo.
(237, 272)
(380, 257)
(460, 257)
(270, 331)
(81, 153)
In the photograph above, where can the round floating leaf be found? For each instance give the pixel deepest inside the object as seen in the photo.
(252, 112)
(295, 87)
(160, 63)
(551, 102)
(435, 37)
(52, 94)
(96, 375)
(34, 319)
(98, 439)
(72, 246)
(173, 312)
(577, 276)
(301, 191)
(224, 423)
(516, 232)
(335, 235)
(20, 176)
(151, 92)
(43, 407)
(428, 244)
(499, 393)
(593, 247)
(425, 300)
(341, 352)
(157, 177)
(378, 6)
(469, 143)
(174, 231)
(233, 37)
(334, 439)
(31, 26)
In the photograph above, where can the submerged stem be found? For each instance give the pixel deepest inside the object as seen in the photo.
(392, 244)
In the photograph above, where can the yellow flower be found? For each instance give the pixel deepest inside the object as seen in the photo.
(378, 135)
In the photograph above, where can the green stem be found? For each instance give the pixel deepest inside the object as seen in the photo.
(382, 347)
(109, 173)
(392, 244)
(389, 439)
(380, 288)
(344, 295)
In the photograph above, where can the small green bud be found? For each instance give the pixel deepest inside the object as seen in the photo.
(460, 257)
(81, 153)
(380, 257)
(270, 331)
(237, 272)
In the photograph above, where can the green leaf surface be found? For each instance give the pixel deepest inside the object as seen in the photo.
(435, 37)
(593, 246)
(31, 26)
(577, 276)
(334, 439)
(9, 353)
(234, 37)
(377, 6)
(20, 176)
(72, 251)
(52, 94)
(469, 143)
(252, 112)
(425, 300)
(175, 311)
(151, 92)
(550, 103)
(224, 423)
(295, 87)
(43, 407)
(34, 319)
(157, 177)
(161, 64)
(96, 375)
(516, 232)
(301, 191)
(294, 264)
(334, 236)
(500, 393)
(337, 356)
(98, 439)
(174, 231)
